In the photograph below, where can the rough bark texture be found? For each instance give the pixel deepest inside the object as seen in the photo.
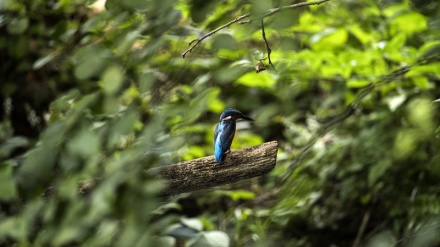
(205, 172)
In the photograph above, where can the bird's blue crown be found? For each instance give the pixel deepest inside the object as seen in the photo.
(230, 112)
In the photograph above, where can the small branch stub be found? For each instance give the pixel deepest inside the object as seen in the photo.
(206, 173)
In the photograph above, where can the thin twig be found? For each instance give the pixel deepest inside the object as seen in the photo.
(267, 44)
(196, 42)
(293, 6)
(362, 227)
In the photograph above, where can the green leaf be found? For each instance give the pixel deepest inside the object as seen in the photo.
(262, 80)
(329, 39)
(68, 234)
(133, 5)
(428, 234)
(192, 223)
(211, 239)
(18, 25)
(424, 69)
(331, 70)
(8, 190)
(377, 171)
(84, 144)
(308, 23)
(11, 144)
(357, 83)
(431, 52)
(360, 34)
(258, 8)
(394, 102)
(405, 143)
(194, 152)
(397, 42)
(166, 241)
(421, 114)
(284, 20)
(200, 9)
(127, 42)
(43, 61)
(409, 23)
(91, 61)
(242, 195)
(199, 104)
(177, 230)
(224, 41)
(111, 80)
(426, 47)
(36, 169)
(13, 227)
(422, 82)
(121, 127)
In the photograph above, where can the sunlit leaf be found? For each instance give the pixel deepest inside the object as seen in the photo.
(357, 83)
(211, 239)
(194, 152)
(397, 42)
(192, 223)
(360, 34)
(242, 195)
(177, 230)
(396, 101)
(263, 80)
(43, 61)
(421, 113)
(409, 23)
(112, 79)
(329, 39)
(405, 143)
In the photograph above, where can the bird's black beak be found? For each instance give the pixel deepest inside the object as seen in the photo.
(246, 118)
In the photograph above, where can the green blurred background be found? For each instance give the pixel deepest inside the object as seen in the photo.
(95, 93)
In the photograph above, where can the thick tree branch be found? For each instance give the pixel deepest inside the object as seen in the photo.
(205, 172)
(195, 42)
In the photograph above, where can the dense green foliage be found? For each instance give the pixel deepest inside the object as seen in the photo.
(92, 97)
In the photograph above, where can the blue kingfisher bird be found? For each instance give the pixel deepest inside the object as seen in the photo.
(225, 131)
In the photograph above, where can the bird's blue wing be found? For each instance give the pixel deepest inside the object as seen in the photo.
(224, 135)
(218, 153)
(227, 135)
(216, 132)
